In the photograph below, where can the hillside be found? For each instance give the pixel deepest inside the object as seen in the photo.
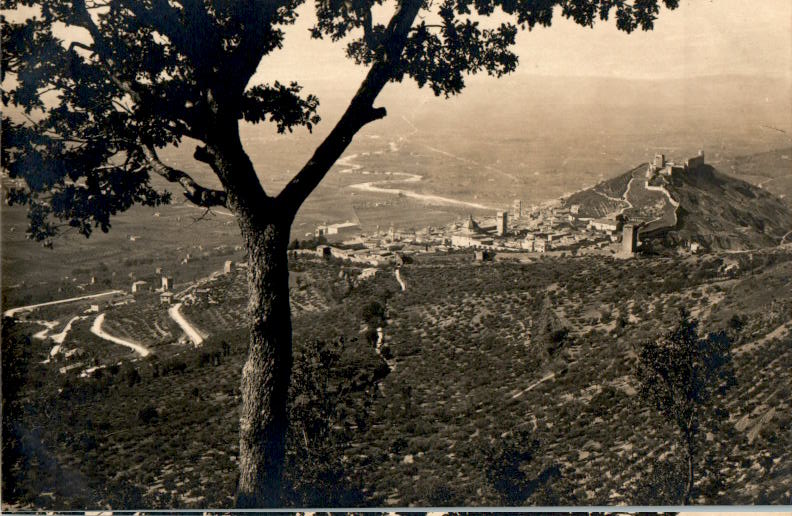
(771, 170)
(722, 212)
(470, 365)
(605, 197)
(702, 205)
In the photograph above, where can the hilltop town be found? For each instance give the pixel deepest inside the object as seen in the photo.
(639, 210)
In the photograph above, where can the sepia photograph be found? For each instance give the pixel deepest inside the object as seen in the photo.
(396, 256)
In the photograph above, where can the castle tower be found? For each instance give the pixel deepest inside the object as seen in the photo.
(516, 209)
(502, 222)
(630, 238)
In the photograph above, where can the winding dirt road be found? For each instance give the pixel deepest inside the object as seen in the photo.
(530, 387)
(59, 338)
(400, 280)
(185, 325)
(96, 329)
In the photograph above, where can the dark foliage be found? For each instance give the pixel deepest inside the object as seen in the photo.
(519, 476)
(15, 359)
(683, 376)
(327, 405)
(373, 314)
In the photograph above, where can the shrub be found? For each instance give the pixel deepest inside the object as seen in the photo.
(148, 415)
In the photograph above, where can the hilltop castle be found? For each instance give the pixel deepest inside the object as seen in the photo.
(666, 168)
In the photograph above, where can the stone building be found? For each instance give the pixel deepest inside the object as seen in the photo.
(340, 231)
(605, 225)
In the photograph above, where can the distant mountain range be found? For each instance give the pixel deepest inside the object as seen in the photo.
(698, 205)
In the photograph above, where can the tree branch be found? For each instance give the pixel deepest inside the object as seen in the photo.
(100, 47)
(359, 113)
(240, 64)
(194, 192)
(192, 39)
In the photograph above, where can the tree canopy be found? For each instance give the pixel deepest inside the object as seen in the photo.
(144, 74)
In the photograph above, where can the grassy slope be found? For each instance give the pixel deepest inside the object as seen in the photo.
(463, 352)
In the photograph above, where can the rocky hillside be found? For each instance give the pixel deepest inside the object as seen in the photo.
(714, 209)
(723, 212)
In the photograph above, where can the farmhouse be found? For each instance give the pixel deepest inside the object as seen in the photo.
(483, 256)
(323, 251)
(70, 367)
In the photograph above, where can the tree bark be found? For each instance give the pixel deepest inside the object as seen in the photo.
(264, 227)
(267, 372)
(689, 482)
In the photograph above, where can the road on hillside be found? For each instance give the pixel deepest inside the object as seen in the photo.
(96, 329)
(59, 338)
(13, 311)
(185, 325)
(400, 280)
(774, 334)
(530, 387)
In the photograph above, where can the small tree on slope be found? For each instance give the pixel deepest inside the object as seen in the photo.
(683, 376)
(150, 73)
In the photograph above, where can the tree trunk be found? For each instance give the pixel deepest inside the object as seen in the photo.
(689, 482)
(267, 372)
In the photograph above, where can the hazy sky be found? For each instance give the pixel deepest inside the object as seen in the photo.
(701, 37)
